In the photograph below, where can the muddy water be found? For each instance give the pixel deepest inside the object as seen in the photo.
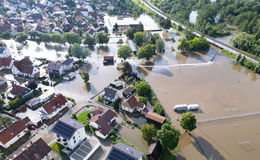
(134, 136)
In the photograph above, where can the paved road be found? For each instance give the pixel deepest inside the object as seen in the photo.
(197, 33)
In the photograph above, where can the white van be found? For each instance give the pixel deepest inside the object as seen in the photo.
(193, 107)
(181, 108)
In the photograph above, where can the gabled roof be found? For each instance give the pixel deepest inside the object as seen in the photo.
(54, 103)
(110, 93)
(66, 127)
(128, 91)
(54, 66)
(155, 117)
(4, 62)
(24, 65)
(103, 117)
(67, 62)
(133, 103)
(37, 151)
(19, 90)
(13, 130)
(122, 151)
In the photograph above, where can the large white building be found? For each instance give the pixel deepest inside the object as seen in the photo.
(69, 132)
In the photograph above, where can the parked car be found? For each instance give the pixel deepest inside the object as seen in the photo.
(32, 127)
(193, 107)
(181, 108)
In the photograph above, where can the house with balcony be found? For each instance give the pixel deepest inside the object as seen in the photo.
(69, 132)
(55, 69)
(14, 132)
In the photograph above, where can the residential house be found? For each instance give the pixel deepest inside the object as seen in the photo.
(155, 117)
(103, 120)
(129, 91)
(67, 64)
(123, 151)
(19, 91)
(131, 105)
(110, 94)
(5, 26)
(69, 132)
(14, 132)
(4, 52)
(86, 148)
(54, 106)
(55, 69)
(40, 100)
(25, 67)
(6, 63)
(38, 150)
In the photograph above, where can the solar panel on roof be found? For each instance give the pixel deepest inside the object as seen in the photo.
(63, 130)
(117, 155)
(77, 157)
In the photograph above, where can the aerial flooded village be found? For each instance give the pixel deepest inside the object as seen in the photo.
(125, 80)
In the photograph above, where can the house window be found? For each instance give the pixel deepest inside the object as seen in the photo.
(74, 141)
(74, 137)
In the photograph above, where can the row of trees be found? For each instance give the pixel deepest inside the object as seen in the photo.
(247, 42)
(69, 37)
(168, 134)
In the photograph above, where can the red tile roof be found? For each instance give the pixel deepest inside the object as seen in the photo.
(155, 117)
(5, 62)
(13, 130)
(55, 103)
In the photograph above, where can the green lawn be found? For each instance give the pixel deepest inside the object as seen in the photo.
(83, 117)
(57, 147)
(167, 155)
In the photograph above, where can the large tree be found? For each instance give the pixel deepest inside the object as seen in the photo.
(78, 51)
(188, 121)
(72, 37)
(159, 45)
(130, 33)
(139, 38)
(143, 89)
(57, 38)
(184, 45)
(149, 132)
(146, 52)
(21, 37)
(88, 40)
(169, 136)
(85, 76)
(124, 52)
(102, 38)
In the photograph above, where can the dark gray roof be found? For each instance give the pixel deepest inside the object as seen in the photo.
(2, 49)
(109, 92)
(53, 66)
(66, 127)
(67, 62)
(122, 151)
